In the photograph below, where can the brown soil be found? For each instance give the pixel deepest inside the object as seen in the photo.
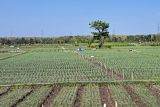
(106, 97)
(78, 98)
(118, 76)
(22, 98)
(134, 96)
(5, 92)
(154, 90)
(50, 97)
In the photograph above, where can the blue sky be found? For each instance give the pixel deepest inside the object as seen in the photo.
(72, 17)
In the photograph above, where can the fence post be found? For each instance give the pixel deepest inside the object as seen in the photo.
(105, 68)
(123, 74)
(132, 75)
(101, 67)
(104, 105)
(116, 105)
(112, 73)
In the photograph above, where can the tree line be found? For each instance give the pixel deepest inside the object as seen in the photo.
(100, 35)
(78, 39)
(43, 40)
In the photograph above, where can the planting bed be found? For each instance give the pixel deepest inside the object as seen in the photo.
(57, 77)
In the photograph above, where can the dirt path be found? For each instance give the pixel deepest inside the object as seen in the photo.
(154, 90)
(134, 96)
(6, 92)
(22, 98)
(50, 97)
(106, 97)
(78, 99)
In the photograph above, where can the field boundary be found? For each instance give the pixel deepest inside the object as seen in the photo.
(89, 82)
(18, 54)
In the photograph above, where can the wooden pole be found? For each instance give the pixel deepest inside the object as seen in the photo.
(132, 75)
(116, 105)
(123, 74)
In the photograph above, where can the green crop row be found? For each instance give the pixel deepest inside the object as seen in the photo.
(138, 64)
(48, 67)
(90, 96)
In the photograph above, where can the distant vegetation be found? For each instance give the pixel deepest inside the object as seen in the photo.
(48, 76)
(152, 40)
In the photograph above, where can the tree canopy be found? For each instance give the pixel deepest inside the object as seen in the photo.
(102, 28)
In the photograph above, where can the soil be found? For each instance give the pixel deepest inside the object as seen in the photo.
(78, 99)
(134, 96)
(154, 90)
(5, 92)
(106, 97)
(22, 98)
(50, 97)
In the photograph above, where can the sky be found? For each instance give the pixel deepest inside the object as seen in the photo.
(72, 17)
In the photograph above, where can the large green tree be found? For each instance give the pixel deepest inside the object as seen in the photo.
(102, 31)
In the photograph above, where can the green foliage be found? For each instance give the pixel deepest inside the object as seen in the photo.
(93, 45)
(102, 34)
(101, 26)
(11, 97)
(142, 61)
(36, 98)
(155, 44)
(121, 96)
(150, 44)
(47, 65)
(117, 44)
(65, 97)
(142, 39)
(50, 65)
(90, 96)
(108, 46)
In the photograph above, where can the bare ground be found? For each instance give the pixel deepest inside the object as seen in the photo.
(134, 96)
(78, 99)
(50, 97)
(154, 90)
(6, 92)
(106, 97)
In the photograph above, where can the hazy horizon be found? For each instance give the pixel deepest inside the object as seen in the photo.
(49, 18)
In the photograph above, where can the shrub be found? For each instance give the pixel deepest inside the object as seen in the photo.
(108, 46)
(93, 45)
